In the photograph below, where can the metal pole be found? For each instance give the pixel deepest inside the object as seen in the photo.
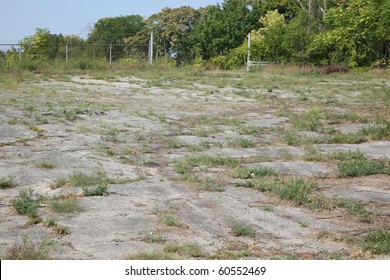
(151, 49)
(248, 67)
(20, 53)
(110, 53)
(66, 53)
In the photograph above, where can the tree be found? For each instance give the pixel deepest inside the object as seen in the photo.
(351, 37)
(172, 30)
(114, 30)
(224, 27)
(42, 45)
(268, 41)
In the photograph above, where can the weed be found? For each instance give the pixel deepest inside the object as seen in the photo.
(29, 251)
(347, 156)
(99, 190)
(65, 206)
(59, 183)
(184, 165)
(363, 167)
(346, 138)
(155, 255)
(379, 131)
(7, 182)
(50, 222)
(46, 165)
(154, 238)
(311, 120)
(267, 208)
(247, 173)
(191, 250)
(300, 191)
(171, 221)
(246, 184)
(335, 256)
(377, 242)
(241, 143)
(313, 154)
(243, 230)
(356, 208)
(80, 179)
(174, 144)
(27, 204)
(61, 230)
(249, 130)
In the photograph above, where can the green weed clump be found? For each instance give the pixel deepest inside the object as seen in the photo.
(27, 204)
(247, 173)
(377, 242)
(29, 251)
(99, 190)
(65, 206)
(243, 230)
(380, 131)
(184, 165)
(7, 182)
(363, 167)
(300, 191)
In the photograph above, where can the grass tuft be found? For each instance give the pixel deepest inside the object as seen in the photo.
(100, 190)
(29, 251)
(243, 230)
(377, 242)
(7, 182)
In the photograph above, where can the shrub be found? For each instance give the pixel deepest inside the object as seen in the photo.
(7, 182)
(29, 251)
(364, 167)
(377, 242)
(300, 191)
(65, 206)
(243, 230)
(99, 190)
(26, 204)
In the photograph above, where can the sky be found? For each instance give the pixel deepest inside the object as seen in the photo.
(20, 18)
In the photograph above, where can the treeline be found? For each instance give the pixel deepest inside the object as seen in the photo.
(352, 33)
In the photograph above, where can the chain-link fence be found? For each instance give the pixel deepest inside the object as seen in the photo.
(17, 53)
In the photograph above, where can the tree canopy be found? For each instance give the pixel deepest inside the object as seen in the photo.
(354, 33)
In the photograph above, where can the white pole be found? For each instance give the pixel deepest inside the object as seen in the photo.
(248, 67)
(110, 53)
(20, 53)
(66, 53)
(151, 49)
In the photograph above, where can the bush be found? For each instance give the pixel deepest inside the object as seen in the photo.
(377, 241)
(65, 206)
(99, 190)
(26, 204)
(243, 230)
(7, 182)
(364, 167)
(29, 251)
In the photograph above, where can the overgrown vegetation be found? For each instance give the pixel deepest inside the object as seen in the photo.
(377, 242)
(352, 33)
(28, 250)
(307, 193)
(27, 204)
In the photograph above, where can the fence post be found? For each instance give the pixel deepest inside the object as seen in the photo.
(66, 53)
(150, 58)
(248, 66)
(20, 53)
(110, 53)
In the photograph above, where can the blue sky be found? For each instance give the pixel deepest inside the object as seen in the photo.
(19, 18)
